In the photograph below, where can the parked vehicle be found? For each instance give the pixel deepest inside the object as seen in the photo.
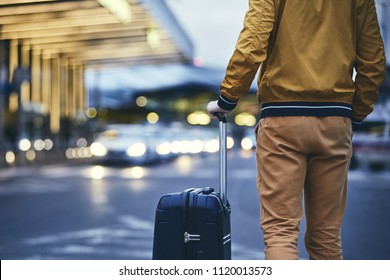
(138, 144)
(371, 145)
(124, 143)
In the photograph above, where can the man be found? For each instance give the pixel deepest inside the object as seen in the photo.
(307, 50)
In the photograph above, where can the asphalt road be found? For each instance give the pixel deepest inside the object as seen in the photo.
(94, 212)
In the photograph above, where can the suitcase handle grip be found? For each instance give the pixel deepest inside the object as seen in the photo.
(221, 117)
(222, 156)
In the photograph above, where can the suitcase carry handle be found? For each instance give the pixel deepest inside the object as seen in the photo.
(222, 156)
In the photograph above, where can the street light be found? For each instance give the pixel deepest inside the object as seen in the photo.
(120, 8)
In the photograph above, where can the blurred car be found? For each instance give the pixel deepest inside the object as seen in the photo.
(372, 150)
(148, 144)
(371, 146)
(124, 143)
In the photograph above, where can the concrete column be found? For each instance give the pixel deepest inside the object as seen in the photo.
(13, 58)
(3, 82)
(55, 96)
(46, 83)
(36, 85)
(72, 89)
(64, 112)
(81, 100)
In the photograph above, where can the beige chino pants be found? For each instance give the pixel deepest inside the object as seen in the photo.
(299, 156)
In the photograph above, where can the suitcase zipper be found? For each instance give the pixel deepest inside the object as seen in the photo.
(226, 239)
(191, 237)
(190, 216)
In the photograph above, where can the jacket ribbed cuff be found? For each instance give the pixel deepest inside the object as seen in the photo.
(356, 124)
(226, 103)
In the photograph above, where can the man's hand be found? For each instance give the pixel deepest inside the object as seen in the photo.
(212, 108)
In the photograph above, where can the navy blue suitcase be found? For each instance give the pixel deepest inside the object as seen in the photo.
(195, 224)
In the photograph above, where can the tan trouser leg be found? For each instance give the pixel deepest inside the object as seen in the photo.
(287, 150)
(326, 189)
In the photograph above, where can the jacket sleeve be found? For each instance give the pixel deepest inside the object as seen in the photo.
(250, 52)
(370, 64)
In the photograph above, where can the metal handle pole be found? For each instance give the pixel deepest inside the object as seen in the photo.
(222, 157)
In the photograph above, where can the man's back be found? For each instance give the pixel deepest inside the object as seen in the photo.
(307, 50)
(317, 46)
(314, 50)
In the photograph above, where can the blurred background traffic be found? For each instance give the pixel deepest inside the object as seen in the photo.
(94, 83)
(70, 69)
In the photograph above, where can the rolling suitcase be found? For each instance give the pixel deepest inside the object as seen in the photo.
(195, 224)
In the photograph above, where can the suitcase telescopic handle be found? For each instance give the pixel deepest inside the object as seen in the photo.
(222, 156)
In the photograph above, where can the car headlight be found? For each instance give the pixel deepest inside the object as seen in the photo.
(229, 142)
(24, 145)
(212, 146)
(246, 144)
(98, 149)
(136, 150)
(164, 148)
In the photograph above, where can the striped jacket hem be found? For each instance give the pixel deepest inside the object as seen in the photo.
(317, 109)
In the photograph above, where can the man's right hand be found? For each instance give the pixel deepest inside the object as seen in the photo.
(212, 108)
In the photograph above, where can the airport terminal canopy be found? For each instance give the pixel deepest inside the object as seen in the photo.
(96, 32)
(47, 46)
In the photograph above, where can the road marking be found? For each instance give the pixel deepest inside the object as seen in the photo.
(33, 188)
(129, 238)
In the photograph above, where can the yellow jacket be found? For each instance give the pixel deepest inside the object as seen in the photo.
(309, 71)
